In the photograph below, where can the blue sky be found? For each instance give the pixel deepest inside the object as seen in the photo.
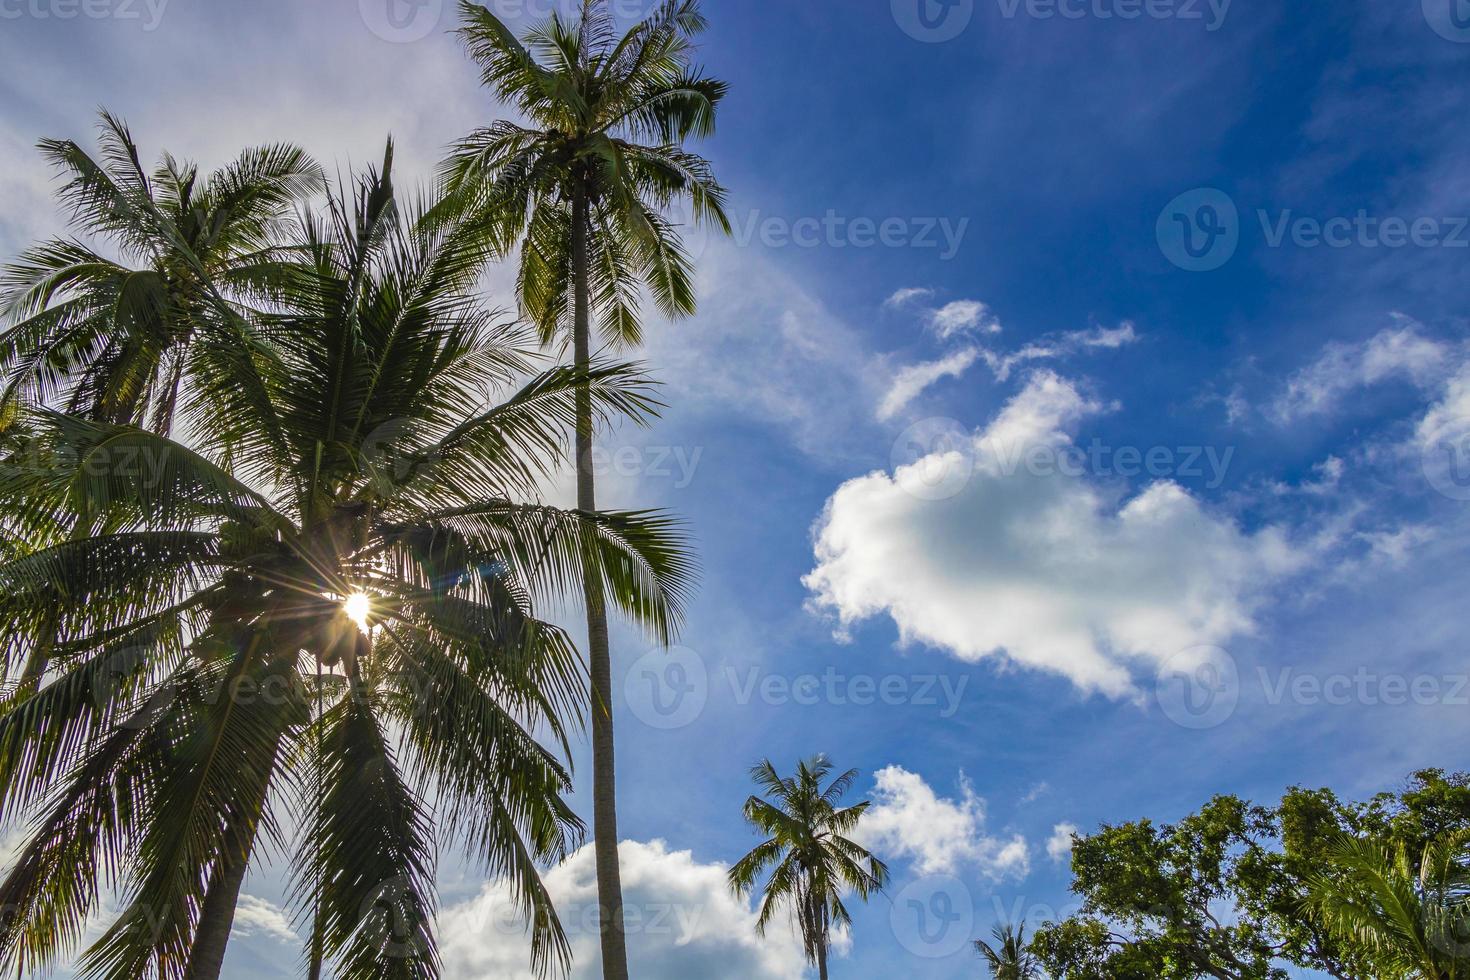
(903, 427)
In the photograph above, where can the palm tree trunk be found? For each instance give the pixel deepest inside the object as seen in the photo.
(819, 925)
(604, 777)
(217, 918)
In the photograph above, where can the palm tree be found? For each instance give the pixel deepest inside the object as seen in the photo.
(583, 188)
(1009, 958)
(1414, 922)
(313, 630)
(116, 339)
(813, 860)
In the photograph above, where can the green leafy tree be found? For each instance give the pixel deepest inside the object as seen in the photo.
(583, 188)
(115, 338)
(322, 608)
(1219, 894)
(812, 859)
(1414, 921)
(1009, 958)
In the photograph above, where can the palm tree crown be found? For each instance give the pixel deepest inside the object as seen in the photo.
(1414, 921)
(1009, 959)
(313, 629)
(601, 153)
(116, 340)
(813, 862)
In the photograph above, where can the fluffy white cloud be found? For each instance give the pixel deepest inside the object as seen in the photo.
(1059, 845)
(682, 922)
(255, 916)
(1398, 352)
(910, 382)
(1021, 552)
(939, 835)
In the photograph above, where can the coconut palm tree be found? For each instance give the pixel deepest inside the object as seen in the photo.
(583, 188)
(115, 338)
(312, 631)
(1415, 922)
(813, 860)
(1009, 958)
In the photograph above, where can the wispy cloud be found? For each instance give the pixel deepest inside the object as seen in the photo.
(961, 317)
(912, 381)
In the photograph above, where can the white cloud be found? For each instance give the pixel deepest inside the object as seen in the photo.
(1060, 345)
(1039, 562)
(962, 316)
(1398, 352)
(903, 297)
(255, 916)
(939, 835)
(1059, 845)
(681, 917)
(910, 382)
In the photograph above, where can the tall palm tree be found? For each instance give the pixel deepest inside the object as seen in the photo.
(1009, 958)
(1414, 921)
(583, 187)
(813, 860)
(115, 338)
(312, 630)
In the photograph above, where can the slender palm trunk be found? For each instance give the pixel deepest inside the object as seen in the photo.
(819, 926)
(604, 778)
(217, 918)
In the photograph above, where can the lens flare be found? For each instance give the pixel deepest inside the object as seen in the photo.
(358, 608)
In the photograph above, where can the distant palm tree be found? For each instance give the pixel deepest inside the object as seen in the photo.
(322, 608)
(583, 189)
(1009, 959)
(115, 338)
(814, 860)
(1415, 923)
